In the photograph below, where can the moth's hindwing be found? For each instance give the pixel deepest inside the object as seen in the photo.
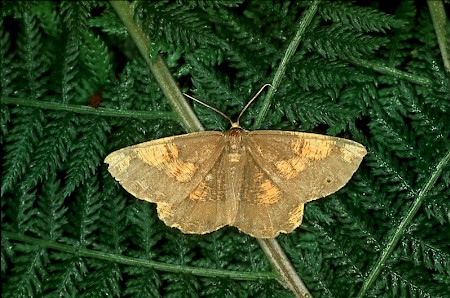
(265, 209)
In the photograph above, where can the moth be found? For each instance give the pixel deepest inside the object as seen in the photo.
(257, 181)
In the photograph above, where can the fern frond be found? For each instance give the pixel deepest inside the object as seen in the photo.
(218, 251)
(23, 211)
(339, 255)
(221, 288)
(109, 23)
(64, 272)
(434, 256)
(183, 27)
(440, 89)
(427, 48)
(144, 225)
(360, 18)
(399, 47)
(401, 282)
(102, 279)
(5, 119)
(427, 122)
(85, 215)
(249, 255)
(434, 205)
(20, 145)
(47, 13)
(310, 261)
(69, 79)
(30, 69)
(52, 152)
(135, 90)
(87, 153)
(353, 223)
(65, 275)
(181, 286)
(340, 42)
(425, 247)
(7, 252)
(317, 73)
(8, 70)
(300, 108)
(114, 228)
(205, 4)
(75, 17)
(94, 55)
(142, 282)
(69, 72)
(245, 34)
(28, 273)
(52, 212)
(390, 172)
(390, 131)
(121, 94)
(373, 197)
(267, 290)
(32, 63)
(213, 89)
(240, 51)
(180, 252)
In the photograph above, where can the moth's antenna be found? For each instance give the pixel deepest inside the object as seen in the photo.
(251, 101)
(225, 116)
(209, 107)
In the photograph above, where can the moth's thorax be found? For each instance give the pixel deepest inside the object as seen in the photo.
(235, 144)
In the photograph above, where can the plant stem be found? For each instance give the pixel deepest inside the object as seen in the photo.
(283, 266)
(88, 110)
(159, 69)
(384, 69)
(440, 23)
(271, 248)
(84, 252)
(279, 74)
(398, 233)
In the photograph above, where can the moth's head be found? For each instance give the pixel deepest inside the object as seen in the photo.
(234, 137)
(235, 124)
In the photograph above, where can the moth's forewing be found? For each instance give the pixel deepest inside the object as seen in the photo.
(304, 165)
(265, 209)
(166, 170)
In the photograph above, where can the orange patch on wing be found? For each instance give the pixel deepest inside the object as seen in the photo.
(350, 152)
(164, 210)
(268, 193)
(122, 162)
(295, 216)
(314, 149)
(165, 158)
(290, 168)
(200, 192)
